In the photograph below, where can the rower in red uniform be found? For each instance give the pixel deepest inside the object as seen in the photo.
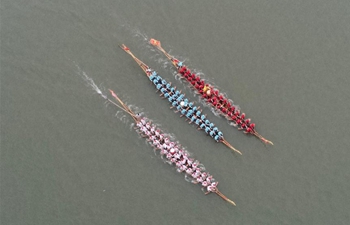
(193, 76)
(187, 74)
(200, 89)
(182, 70)
(224, 110)
(216, 92)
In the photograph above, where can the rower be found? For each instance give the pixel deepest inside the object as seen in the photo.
(184, 103)
(187, 73)
(189, 113)
(217, 138)
(224, 110)
(200, 89)
(193, 76)
(252, 126)
(174, 103)
(248, 130)
(212, 133)
(155, 81)
(163, 90)
(166, 95)
(180, 97)
(179, 107)
(193, 118)
(153, 75)
(182, 70)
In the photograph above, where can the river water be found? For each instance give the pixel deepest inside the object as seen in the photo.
(68, 157)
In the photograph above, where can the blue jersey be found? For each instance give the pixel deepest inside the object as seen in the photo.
(152, 77)
(217, 138)
(180, 97)
(212, 133)
(189, 113)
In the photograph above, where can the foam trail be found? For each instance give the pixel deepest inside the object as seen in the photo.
(91, 83)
